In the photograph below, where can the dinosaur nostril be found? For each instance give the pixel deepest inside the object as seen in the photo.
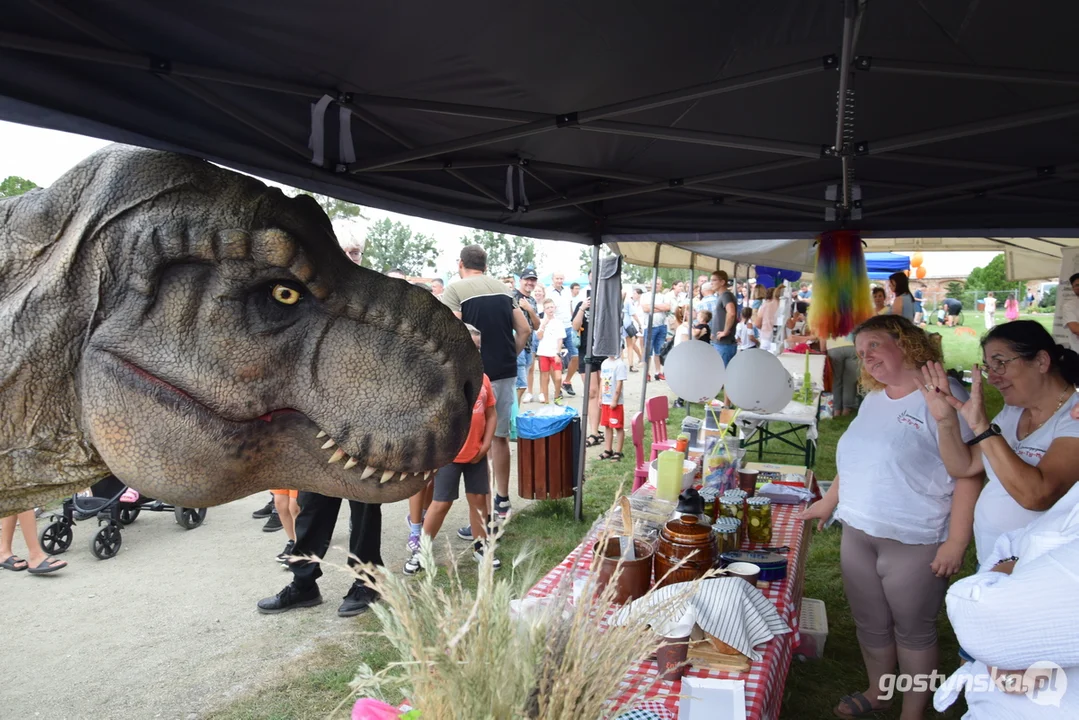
(470, 393)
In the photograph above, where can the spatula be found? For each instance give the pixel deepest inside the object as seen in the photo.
(626, 539)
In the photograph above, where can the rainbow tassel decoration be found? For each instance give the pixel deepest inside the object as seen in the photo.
(841, 298)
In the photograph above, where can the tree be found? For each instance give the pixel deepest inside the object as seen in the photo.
(506, 254)
(14, 185)
(954, 290)
(993, 276)
(392, 245)
(641, 276)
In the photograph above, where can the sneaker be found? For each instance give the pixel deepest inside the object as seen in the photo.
(290, 597)
(502, 507)
(413, 543)
(526, 398)
(264, 512)
(273, 523)
(465, 533)
(541, 399)
(359, 598)
(558, 401)
(282, 557)
(568, 389)
(413, 564)
(478, 555)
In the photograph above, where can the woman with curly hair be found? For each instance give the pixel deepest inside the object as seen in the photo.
(906, 521)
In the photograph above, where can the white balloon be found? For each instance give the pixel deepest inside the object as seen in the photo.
(694, 371)
(757, 380)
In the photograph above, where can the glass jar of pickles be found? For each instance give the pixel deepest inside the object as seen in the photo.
(736, 493)
(732, 507)
(759, 519)
(709, 496)
(727, 534)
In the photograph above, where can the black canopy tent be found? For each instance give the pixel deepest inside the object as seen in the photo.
(665, 122)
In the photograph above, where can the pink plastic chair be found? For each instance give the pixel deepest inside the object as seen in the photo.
(658, 410)
(640, 467)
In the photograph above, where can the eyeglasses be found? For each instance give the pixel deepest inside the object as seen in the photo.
(997, 367)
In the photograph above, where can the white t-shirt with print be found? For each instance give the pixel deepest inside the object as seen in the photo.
(659, 317)
(610, 372)
(553, 332)
(892, 481)
(997, 512)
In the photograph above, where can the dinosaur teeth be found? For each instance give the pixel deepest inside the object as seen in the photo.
(329, 444)
(338, 454)
(367, 472)
(321, 434)
(387, 475)
(350, 463)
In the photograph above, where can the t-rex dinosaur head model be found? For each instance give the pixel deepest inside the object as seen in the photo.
(203, 337)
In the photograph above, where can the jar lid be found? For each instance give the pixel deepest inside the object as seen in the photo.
(735, 492)
(725, 528)
(730, 500)
(687, 526)
(759, 500)
(709, 493)
(726, 520)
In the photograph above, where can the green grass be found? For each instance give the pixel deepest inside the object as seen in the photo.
(319, 682)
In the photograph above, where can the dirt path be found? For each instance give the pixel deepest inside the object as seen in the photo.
(168, 628)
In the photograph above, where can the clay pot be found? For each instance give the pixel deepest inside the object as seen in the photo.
(679, 539)
(635, 576)
(671, 658)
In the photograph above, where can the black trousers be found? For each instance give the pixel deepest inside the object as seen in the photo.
(314, 529)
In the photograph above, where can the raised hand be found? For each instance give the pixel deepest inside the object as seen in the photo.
(937, 393)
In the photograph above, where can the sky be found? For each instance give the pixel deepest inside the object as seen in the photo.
(44, 155)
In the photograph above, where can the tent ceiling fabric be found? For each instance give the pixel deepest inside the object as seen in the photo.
(568, 120)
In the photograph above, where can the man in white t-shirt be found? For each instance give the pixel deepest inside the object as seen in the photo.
(564, 302)
(658, 307)
(1070, 313)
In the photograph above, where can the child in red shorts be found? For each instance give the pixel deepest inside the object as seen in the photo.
(612, 377)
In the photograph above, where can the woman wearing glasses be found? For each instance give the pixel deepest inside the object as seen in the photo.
(1029, 450)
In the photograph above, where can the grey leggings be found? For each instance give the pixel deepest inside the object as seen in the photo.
(893, 594)
(845, 370)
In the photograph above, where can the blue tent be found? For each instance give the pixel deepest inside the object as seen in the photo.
(881, 265)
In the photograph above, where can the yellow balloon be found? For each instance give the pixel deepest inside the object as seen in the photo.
(916, 260)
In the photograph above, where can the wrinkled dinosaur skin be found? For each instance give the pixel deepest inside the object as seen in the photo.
(195, 333)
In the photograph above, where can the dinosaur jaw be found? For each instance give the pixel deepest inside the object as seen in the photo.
(162, 441)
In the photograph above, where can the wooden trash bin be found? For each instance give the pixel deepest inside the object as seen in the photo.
(545, 467)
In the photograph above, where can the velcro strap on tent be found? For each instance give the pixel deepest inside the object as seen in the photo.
(520, 202)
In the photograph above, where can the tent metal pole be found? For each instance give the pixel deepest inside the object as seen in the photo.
(849, 12)
(648, 332)
(933, 161)
(578, 493)
(1001, 181)
(671, 184)
(704, 137)
(965, 72)
(981, 127)
(405, 142)
(703, 90)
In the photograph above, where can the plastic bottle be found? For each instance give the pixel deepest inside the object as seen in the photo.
(669, 475)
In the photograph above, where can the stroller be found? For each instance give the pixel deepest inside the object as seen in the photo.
(114, 505)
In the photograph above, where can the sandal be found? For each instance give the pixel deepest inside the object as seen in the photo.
(860, 704)
(48, 565)
(13, 563)
(593, 440)
(606, 455)
(615, 457)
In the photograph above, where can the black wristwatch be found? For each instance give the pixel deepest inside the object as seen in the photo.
(994, 429)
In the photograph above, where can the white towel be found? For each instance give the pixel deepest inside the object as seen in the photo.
(728, 608)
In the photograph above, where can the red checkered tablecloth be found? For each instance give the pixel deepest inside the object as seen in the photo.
(766, 678)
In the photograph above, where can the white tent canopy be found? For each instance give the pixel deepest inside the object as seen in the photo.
(1026, 258)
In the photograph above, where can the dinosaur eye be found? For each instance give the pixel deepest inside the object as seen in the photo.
(286, 295)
